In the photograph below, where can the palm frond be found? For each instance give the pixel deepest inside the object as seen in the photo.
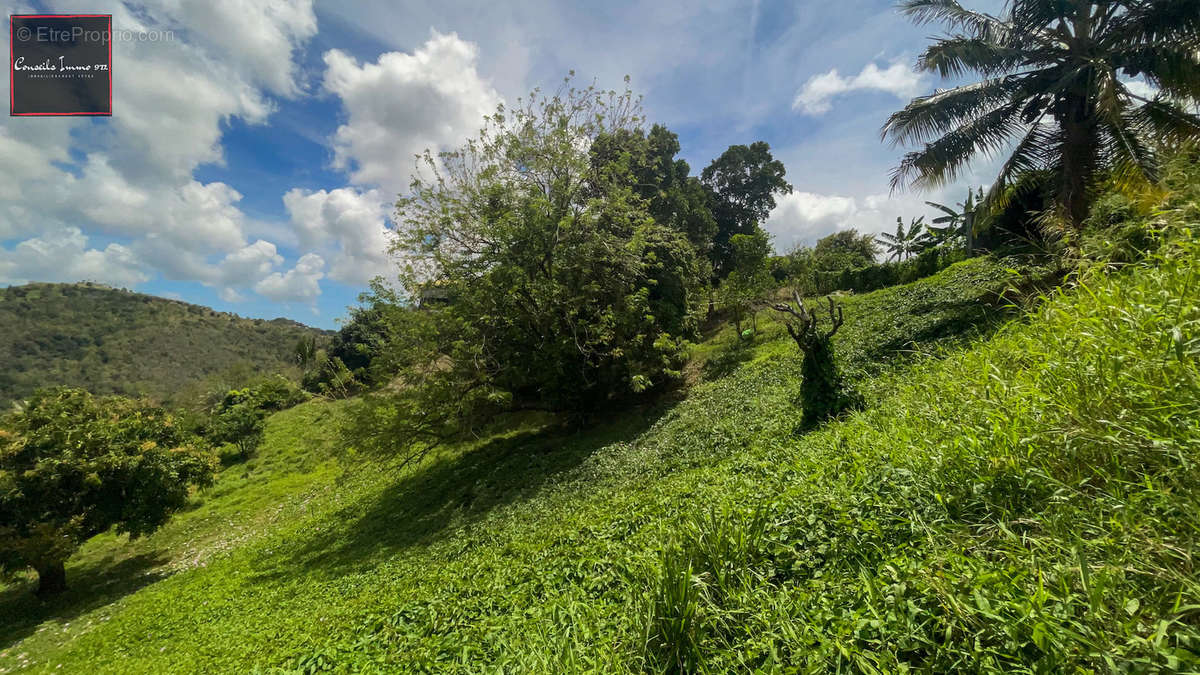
(941, 160)
(957, 56)
(1165, 123)
(1171, 21)
(1030, 154)
(943, 111)
(1174, 69)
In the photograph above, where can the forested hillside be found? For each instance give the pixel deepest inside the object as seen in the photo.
(115, 341)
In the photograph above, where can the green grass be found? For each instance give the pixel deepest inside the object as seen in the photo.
(1020, 499)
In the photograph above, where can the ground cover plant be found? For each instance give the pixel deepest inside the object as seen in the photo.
(550, 521)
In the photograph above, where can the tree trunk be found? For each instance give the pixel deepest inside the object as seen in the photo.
(1078, 161)
(52, 578)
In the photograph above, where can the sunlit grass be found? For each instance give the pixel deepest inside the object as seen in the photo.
(1014, 500)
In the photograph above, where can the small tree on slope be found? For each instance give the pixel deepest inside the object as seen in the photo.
(73, 465)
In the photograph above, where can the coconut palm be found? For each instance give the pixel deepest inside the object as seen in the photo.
(905, 242)
(1054, 93)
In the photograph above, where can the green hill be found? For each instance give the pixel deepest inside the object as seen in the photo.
(116, 341)
(1019, 492)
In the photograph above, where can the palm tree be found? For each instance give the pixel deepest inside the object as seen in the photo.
(905, 242)
(1051, 90)
(957, 225)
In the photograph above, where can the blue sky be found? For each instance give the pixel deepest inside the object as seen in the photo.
(255, 148)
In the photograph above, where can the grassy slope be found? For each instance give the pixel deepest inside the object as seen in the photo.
(113, 341)
(982, 511)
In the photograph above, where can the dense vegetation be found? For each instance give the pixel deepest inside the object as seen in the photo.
(110, 341)
(601, 428)
(73, 466)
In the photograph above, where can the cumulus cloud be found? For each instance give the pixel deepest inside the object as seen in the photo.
(258, 38)
(63, 255)
(351, 224)
(804, 217)
(133, 176)
(404, 103)
(230, 295)
(299, 284)
(898, 79)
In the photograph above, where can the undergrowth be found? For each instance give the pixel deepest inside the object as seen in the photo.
(1020, 500)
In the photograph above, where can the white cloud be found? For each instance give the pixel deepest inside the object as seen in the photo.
(897, 79)
(1140, 88)
(804, 217)
(404, 103)
(299, 284)
(349, 225)
(249, 264)
(136, 179)
(63, 255)
(230, 295)
(258, 38)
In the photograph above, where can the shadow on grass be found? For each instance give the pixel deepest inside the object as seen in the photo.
(447, 493)
(90, 584)
(727, 360)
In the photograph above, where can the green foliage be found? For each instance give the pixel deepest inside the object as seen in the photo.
(990, 513)
(1056, 105)
(111, 341)
(329, 376)
(824, 393)
(556, 534)
(749, 279)
(742, 184)
(957, 228)
(906, 243)
(844, 249)
(839, 268)
(240, 424)
(73, 465)
(239, 419)
(567, 294)
(648, 164)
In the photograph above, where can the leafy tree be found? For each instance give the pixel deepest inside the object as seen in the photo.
(567, 292)
(1052, 90)
(73, 466)
(648, 163)
(240, 421)
(905, 242)
(360, 340)
(750, 277)
(845, 249)
(742, 184)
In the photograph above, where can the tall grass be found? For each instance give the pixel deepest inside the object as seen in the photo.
(1030, 505)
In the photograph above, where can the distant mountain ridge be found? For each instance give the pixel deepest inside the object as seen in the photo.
(115, 341)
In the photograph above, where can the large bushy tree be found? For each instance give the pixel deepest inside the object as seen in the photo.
(844, 249)
(648, 163)
(743, 183)
(1054, 94)
(73, 465)
(562, 290)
